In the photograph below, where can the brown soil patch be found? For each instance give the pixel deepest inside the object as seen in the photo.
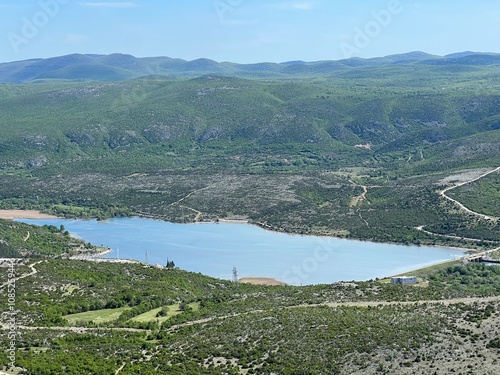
(261, 281)
(24, 214)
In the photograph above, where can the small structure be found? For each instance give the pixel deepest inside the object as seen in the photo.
(236, 281)
(404, 280)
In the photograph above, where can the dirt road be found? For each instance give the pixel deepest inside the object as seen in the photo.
(483, 216)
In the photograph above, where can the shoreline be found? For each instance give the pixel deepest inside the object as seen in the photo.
(103, 253)
(35, 214)
(89, 255)
(271, 229)
(99, 257)
(443, 262)
(234, 221)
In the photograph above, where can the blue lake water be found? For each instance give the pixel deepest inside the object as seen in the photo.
(213, 249)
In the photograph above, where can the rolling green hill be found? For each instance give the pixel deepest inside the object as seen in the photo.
(101, 318)
(116, 67)
(386, 110)
(397, 125)
(354, 148)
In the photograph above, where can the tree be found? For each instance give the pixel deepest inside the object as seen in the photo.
(163, 312)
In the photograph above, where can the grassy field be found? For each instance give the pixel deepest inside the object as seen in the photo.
(173, 310)
(109, 315)
(97, 316)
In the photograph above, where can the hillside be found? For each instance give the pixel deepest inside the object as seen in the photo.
(108, 317)
(104, 318)
(398, 125)
(404, 148)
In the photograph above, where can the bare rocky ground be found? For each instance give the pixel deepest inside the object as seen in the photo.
(464, 176)
(463, 350)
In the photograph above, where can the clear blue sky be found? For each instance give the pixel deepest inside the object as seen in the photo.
(247, 31)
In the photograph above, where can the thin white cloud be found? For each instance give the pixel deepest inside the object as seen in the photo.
(305, 5)
(125, 4)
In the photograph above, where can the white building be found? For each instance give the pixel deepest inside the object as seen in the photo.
(404, 280)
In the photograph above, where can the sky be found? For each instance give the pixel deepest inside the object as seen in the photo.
(247, 31)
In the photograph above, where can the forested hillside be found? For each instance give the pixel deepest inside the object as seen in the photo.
(403, 149)
(292, 154)
(103, 318)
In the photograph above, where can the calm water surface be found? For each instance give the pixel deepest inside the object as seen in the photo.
(213, 249)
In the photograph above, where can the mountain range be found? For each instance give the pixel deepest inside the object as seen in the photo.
(118, 67)
(100, 136)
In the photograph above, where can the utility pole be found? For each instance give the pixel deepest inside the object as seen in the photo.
(235, 276)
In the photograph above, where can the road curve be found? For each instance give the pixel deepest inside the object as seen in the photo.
(483, 216)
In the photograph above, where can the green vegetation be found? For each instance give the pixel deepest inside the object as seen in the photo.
(101, 317)
(164, 313)
(17, 239)
(96, 316)
(212, 327)
(481, 196)
(359, 152)
(230, 145)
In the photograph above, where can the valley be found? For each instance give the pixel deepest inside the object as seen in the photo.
(403, 149)
(280, 152)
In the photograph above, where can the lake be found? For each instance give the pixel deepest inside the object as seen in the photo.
(214, 248)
